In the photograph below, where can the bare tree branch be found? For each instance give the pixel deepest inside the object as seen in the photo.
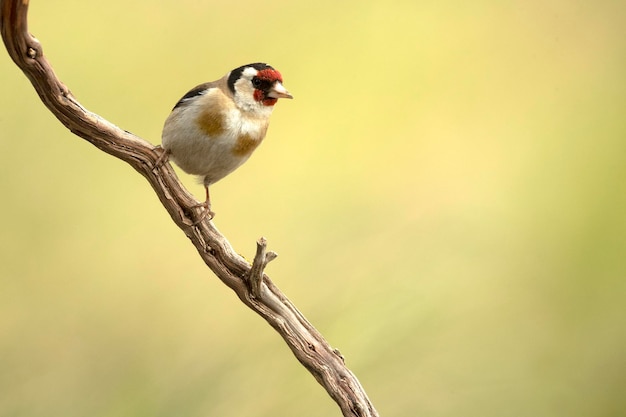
(250, 284)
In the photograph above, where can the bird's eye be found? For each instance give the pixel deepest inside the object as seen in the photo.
(256, 82)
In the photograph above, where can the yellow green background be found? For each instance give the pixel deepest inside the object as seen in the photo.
(446, 193)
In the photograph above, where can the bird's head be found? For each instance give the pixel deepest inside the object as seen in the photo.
(256, 85)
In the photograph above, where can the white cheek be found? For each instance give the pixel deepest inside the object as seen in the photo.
(244, 96)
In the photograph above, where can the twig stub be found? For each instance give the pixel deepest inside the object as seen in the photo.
(261, 259)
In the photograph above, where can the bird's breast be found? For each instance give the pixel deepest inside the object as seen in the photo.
(245, 133)
(221, 121)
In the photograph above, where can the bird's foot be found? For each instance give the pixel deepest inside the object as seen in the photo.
(204, 213)
(163, 157)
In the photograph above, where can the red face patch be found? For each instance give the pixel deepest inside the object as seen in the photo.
(270, 74)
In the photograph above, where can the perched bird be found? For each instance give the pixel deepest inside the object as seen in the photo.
(216, 126)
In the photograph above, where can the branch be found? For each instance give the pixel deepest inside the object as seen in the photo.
(254, 288)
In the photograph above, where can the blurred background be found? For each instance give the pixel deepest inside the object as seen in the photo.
(446, 193)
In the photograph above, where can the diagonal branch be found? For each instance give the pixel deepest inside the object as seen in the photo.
(249, 283)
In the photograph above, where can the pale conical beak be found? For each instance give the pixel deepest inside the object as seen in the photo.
(278, 91)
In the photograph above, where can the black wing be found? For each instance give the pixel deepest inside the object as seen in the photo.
(195, 92)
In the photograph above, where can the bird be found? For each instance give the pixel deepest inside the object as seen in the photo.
(215, 127)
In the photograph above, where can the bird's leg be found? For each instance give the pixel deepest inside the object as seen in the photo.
(207, 208)
(207, 202)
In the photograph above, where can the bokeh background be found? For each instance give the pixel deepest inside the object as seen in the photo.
(447, 194)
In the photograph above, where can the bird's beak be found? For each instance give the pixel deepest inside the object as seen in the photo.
(278, 91)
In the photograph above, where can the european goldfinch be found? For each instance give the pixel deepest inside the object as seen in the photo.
(217, 125)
